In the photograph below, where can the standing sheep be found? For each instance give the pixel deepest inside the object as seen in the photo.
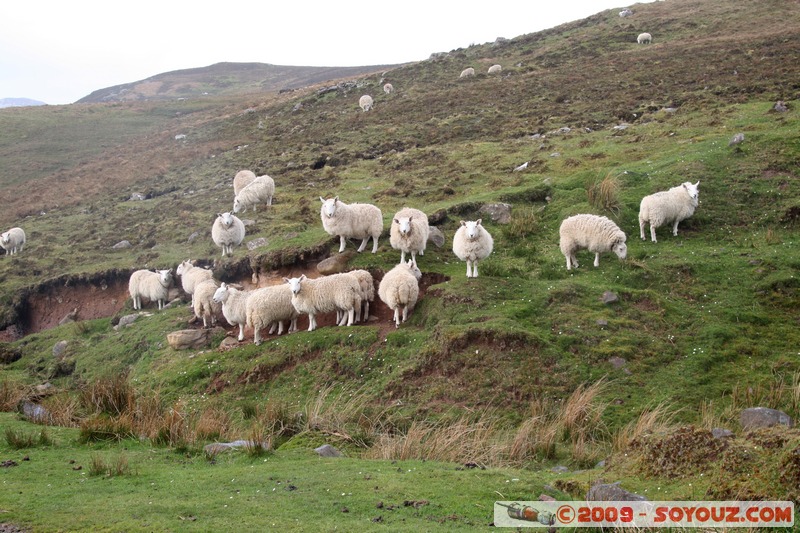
(409, 233)
(399, 288)
(388, 88)
(203, 302)
(365, 102)
(227, 232)
(495, 69)
(367, 284)
(358, 221)
(339, 292)
(13, 240)
(234, 306)
(595, 233)
(154, 286)
(270, 305)
(190, 276)
(467, 73)
(644, 38)
(242, 179)
(472, 243)
(674, 205)
(260, 190)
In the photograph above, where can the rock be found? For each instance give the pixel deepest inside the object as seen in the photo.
(9, 354)
(617, 362)
(189, 338)
(722, 433)
(193, 236)
(737, 139)
(138, 196)
(499, 213)
(763, 417)
(217, 447)
(59, 349)
(602, 322)
(34, 412)
(612, 492)
(780, 106)
(125, 321)
(326, 450)
(600, 464)
(435, 236)
(335, 263)
(121, 245)
(69, 317)
(546, 498)
(560, 469)
(228, 343)
(257, 243)
(44, 390)
(609, 297)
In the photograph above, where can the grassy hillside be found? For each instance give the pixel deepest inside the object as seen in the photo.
(527, 359)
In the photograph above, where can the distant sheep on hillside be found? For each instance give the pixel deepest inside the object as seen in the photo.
(467, 73)
(154, 286)
(673, 205)
(495, 69)
(227, 232)
(644, 38)
(260, 190)
(357, 221)
(365, 102)
(595, 233)
(388, 88)
(242, 179)
(13, 240)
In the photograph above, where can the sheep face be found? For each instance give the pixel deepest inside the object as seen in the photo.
(183, 267)
(472, 228)
(404, 224)
(329, 206)
(693, 190)
(6, 237)
(226, 219)
(294, 283)
(621, 249)
(237, 205)
(414, 269)
(221, 294)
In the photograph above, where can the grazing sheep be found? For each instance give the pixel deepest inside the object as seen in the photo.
(674, 205)
(467, 73)
(154, 286)
(190, 276)
(495, 69)
(644, 38)
(268, 306)
(625, 13)
(339, 292)
(409, 233)
(234, 306)
(388, 88)
(260, 190)
(13, 240)
(597, 234)
(227, 232)
(203, 302)
(399, 288)
(358, 221)
(365, 102)
(242, 179)
(472, 243)
(367, 284)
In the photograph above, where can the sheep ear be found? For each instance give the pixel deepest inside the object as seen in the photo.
(303, 277)
(478, 222)
(396, 221)
(697, 184)
(321, 199)
(463, 222)
(336, 199)
(286, 280)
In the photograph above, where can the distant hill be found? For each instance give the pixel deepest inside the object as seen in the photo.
(19, 102)
(225, 79)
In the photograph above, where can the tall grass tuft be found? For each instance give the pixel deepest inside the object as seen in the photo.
(10, 395)
(658, 419)
(100, 467)
(174, 428)
(20, 439)
(113, 395)
(604, 194)
(212, 424)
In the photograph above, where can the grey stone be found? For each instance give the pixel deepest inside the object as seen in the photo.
(137, 196)
(610, 492)
(228, 343)
(435, 236)
(737, 139)
(326, 450)
(609, 297)
(763, 417)
(617, 362)
(500, 213)
(189, 338)
(602, 322)
(126, 320)
(218, 447)
(34, 412)
(722, 433)
(59, 349)
(122, 244)
(560, 469)
(69, 317)
(335, 263)
(257, 243)
(193, 236)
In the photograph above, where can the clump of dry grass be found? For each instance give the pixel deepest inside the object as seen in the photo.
(20, 439)
(604, 194)
(11, 394)
(101, 467)
(113, 395)
(213, 423)
(658, 419)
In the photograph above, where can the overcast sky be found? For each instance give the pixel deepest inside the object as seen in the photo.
(58, 51)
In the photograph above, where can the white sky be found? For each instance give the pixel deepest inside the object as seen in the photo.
(58, 51)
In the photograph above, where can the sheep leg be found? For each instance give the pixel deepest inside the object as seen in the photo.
(256, 336)
(405, 313)
(374, 244)
(280, 327)
(366, 310)
(341, 243)
(652, 233)
(358, 314)
(293, 326)
(363, 244)
(475, 269)
(569, 265)
(597, 259)
(469, 268)
(241, 332)
(397, 317)
(402, 256)
(343, 320)
(351, 316)
(675, 229)
(312, 322)
(272, 328)
(642, 224)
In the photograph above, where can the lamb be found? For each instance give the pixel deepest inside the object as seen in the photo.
(339, 292)
(260, 190)
(203, 301)
(153, 286)
(644, 38)
(270, 305)
(365, 102)
(388, 88)
(467, 73)
(409, 232)
(234, 305)
(367, 284)
(227, 232)
(190, 276)
(358, 221)
(495, 69)
(597, 234)
(472, 243)
(13, 240)
(242, 179)
(399, 288)
(674, 205)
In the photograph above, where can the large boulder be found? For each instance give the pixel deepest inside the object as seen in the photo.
(612, 492)
(763, 417)
(335, 263)
(190, 338)
(500, 213)
(435, 236)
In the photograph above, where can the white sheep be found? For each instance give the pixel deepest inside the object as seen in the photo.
(203, 302)
(495, 69)
(190, 276)
(268, 306)
(234, 305)
(674, 205)
(365, 102)
(367, 284)
(13, 240)
(409, 233)
(467, 73)
(625, 13)
(388, 88)
(154, 286)
(227, 232)
(595, 233)
(358, 221)
(472, 243)
(399, 289)
(339, 292)
(242, 179)
(644, 38)
(260, 190)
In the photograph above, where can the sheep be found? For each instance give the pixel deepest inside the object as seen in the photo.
(365, 102)
(674, 205)
(270, 305)
(367, 284)
(190, 276)
(151, 285)
(644, 38)
(227, 232)
(495, 69)
(388, 88)
(597, 234)
(472, 243)
(625, 13)
(203, 301)
(338, 292)
(234, 305)
(467, 73)
(242, 179)
(358, 221)
(13, 240)
(260, 190)
(409, 232)
(399, 288)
